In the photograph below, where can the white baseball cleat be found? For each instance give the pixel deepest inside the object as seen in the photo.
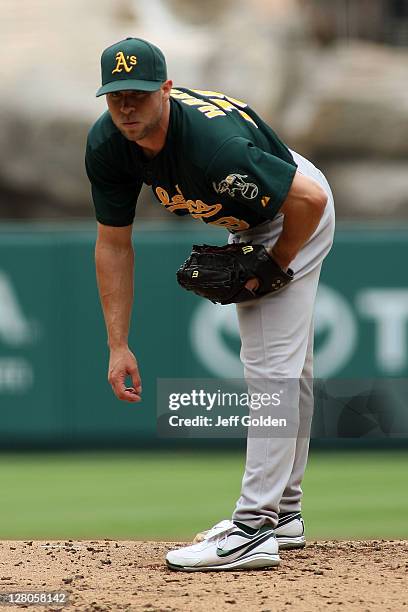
(227, 547)
(290, 531)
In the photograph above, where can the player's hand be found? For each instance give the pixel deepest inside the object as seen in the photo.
(252, 284)
(281, 259)
(122, 363)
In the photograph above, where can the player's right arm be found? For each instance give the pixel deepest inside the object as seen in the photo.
(115, 186)
(114, 258)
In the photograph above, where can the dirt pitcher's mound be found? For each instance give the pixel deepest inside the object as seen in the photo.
(108, 575)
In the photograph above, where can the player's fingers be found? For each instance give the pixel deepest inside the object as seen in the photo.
(129, 394)
(117, 382)
(133, 372)
(252, 284)
(135, 376)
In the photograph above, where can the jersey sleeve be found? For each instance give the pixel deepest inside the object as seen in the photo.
(114, 193)
(243, 172)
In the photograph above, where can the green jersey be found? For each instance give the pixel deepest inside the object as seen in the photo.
(221, 163)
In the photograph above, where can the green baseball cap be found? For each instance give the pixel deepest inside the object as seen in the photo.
(132, 63)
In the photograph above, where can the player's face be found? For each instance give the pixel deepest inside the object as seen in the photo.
(136, 114)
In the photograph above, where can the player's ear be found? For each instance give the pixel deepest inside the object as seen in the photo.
(166, 89)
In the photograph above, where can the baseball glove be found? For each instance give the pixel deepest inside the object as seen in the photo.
(220, 273)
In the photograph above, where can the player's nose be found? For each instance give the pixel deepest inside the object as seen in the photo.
(127, 106)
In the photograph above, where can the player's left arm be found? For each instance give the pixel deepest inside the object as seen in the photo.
(268, 184)
(302, 209)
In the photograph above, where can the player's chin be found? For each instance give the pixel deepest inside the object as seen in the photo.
(133, 131)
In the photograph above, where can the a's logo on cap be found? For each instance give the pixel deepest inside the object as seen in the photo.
(122, 62)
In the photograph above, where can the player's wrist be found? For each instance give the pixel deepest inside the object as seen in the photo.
(282, 256)
(118, 345)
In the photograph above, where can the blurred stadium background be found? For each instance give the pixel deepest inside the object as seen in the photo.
(330, 78)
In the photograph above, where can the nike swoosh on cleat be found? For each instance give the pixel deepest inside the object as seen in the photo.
(247, 545)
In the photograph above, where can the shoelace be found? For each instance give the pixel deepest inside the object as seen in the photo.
(219, 532)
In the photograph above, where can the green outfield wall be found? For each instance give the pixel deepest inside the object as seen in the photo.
(53, 354)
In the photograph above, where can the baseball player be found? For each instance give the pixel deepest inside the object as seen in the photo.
(211, 156)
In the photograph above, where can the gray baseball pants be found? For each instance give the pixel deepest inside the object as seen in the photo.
(277, 343)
